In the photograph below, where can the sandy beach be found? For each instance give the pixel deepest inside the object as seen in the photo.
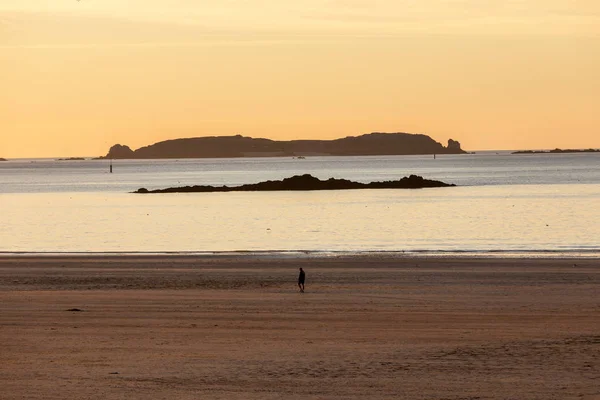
(236, 327)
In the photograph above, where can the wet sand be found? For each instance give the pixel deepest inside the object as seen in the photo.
(235, 327)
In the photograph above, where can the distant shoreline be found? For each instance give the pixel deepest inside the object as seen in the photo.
(309, 254)
(556, 151)
(300, 158)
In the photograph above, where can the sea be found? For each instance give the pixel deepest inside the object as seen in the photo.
(537, 205)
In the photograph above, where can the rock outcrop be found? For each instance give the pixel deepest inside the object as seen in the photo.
(240, 146)
(557, 151)
(454, 145)
(120, 151)
(307, 182)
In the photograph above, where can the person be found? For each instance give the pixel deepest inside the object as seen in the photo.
(301, 278)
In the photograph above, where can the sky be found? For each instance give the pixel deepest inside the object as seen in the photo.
(77, 77)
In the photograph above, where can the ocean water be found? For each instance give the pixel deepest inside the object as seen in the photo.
(504, 204)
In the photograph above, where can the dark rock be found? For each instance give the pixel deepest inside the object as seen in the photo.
(557, 151)
(74, 310)
(120, 151)
(454, 146)
(307, 182)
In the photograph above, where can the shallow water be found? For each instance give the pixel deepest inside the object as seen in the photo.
(536, 204)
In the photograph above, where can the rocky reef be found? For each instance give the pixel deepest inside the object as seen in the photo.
(307, 182)
(557, 151)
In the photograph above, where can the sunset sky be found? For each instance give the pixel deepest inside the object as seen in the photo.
(78, 77)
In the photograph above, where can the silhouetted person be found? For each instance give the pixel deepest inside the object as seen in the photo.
(301, 279)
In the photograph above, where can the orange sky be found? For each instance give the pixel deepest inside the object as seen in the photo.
(78, 77)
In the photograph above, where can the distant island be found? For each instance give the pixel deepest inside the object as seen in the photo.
(373, 144)
(71, 159)
(557, 151)
(307, 182)
(3, 159)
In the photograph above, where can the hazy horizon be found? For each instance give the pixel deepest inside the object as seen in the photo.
(102, 154)
(81, 76)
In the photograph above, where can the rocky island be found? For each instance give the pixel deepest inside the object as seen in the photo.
(3, 159)
(557, 151)
(372, 144)
(307, 182)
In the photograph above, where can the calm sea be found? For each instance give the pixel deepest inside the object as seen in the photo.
(504, 204)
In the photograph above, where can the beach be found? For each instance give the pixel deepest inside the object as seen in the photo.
(375, 326)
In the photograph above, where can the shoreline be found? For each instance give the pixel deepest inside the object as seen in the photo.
(236, 327)
(417, 254)
(231, 271)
